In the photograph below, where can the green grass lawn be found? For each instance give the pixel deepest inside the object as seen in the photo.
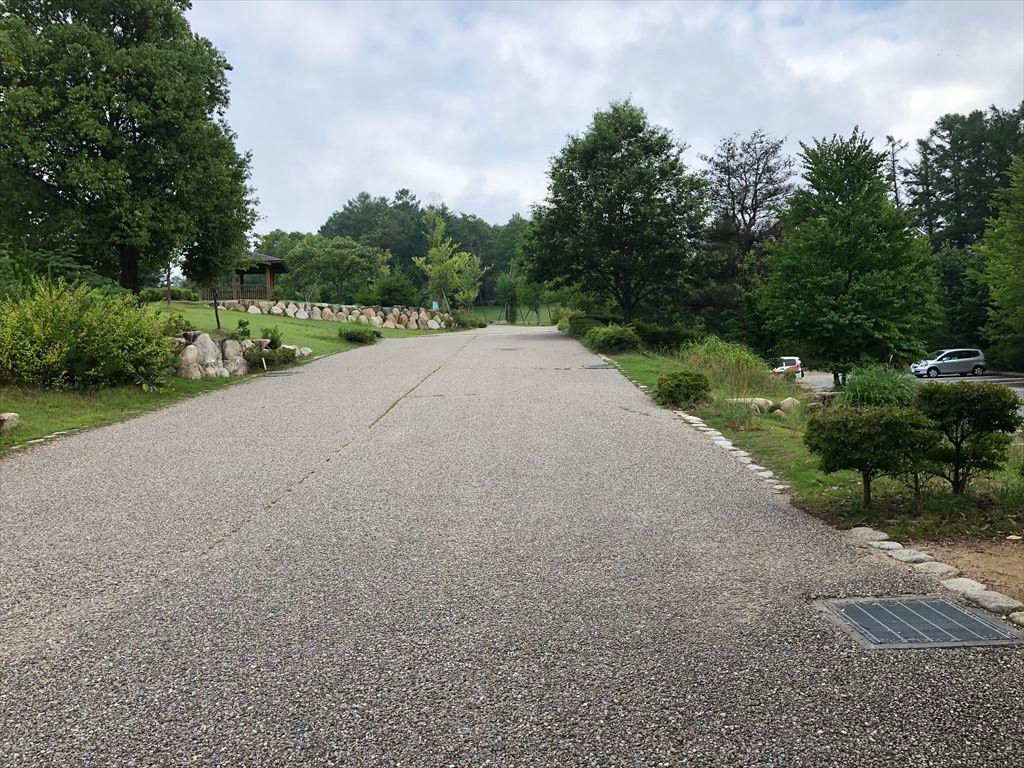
(43, 412)
(494, 314)
(995, 506)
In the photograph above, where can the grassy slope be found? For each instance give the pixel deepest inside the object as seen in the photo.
(44, 412)
(996, 506)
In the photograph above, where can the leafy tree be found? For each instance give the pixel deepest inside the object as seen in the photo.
(335, 269)
(875, 440)
(467, 287)
(399, 230)
(395, 289)
(444, 266)
(976, 419)
(507, 244)
(279, 243)
(963, 296)
(357, 219)
(623, 216)
(893, 148)
(850, 280)
(961, 163)
(506, 291)
(113, 141)
(1002, 250)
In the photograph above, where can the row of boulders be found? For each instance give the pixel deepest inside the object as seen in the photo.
(200, 357)
(764, 406)
(410, 318)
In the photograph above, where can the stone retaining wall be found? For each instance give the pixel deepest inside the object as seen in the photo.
(411, 318)
(200, 357)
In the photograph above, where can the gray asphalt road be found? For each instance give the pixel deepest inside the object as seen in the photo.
(459, 550)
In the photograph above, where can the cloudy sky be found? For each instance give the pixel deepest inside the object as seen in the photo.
(465, 102)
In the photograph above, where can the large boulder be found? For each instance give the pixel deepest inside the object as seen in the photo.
(254, 310)
(189, 370)
(276, 310)
(433, 324)
(389, 324)
(411, 325)
(304, 352)
(302, 315)
(363, 319)
(230, 348)
(290, 310)
(189, 354)
(236, 307)
(790, 405)
(208, 351)
(327, 313)
(236, 366)
(376, 322)
(316, 314)
(9, 422)
(292, 347)
(757, 404)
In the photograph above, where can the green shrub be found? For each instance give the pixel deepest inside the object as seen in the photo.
(359, 334)
(565, 316)
(58, 335)
(277, 357)
(611, 338)
(735, 369)
(682, 389)
(976, 421)
(878, 385)
(394, 290)
(733, 415)
(274, 335)
(174, 324)
(241, 332)
(873, 440)
(580, 324)
(150, 295)
(463, 319)
(659, 337)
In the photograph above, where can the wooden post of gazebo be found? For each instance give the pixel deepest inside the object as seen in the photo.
(270, 279)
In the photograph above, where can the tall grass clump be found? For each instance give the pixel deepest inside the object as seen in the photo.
(734, 369)
(878, 385)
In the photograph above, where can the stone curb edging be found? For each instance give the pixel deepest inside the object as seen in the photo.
(949, 577)
(716, 437)
(869, 538)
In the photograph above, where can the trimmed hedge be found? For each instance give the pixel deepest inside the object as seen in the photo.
(682, 389)
(150, 295)
(359, 334)
(611, 338)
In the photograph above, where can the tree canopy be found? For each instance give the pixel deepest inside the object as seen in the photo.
(623, 216)
(113, 142)
(335, 269)
(851, 279)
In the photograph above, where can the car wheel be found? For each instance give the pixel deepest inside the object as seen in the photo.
(933, 373)
(977, 370)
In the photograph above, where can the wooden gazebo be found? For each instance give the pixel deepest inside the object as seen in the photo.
(251, 264)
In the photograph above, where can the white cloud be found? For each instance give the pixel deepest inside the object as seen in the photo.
(468, 101)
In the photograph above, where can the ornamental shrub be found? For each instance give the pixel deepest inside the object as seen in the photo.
(277, 357)
(580, 324)
(976, 421)
(878, 385)
(873, 440)
(611, 338)
(150, 295)
(273, 335)
(655, 337)
(60, 336)
(463, 319)
(682, 389)
(359, 334)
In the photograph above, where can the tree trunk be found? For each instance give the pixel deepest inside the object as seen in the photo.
(835, 380)
(130, 268)
(866, 479)
(168, 284)
(216, 312)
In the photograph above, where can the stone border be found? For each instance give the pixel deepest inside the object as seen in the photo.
(949, 576)
(869, 538)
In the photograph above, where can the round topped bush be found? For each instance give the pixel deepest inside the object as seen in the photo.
(611, 338)
(682, 389)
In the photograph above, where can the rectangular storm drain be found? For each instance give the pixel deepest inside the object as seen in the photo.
(599, 365)
(918, 622)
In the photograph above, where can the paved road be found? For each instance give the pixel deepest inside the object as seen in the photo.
(459, 550)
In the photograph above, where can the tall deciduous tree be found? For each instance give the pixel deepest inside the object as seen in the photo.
(1002, 249)
(113, 140)
(444, 265)
(851, 279)
(357, 219)
(335, 269)
(623, 216)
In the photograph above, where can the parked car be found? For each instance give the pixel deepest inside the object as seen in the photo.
(949, 361)
(784, 365)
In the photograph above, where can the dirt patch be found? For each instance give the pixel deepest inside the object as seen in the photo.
(997, 564)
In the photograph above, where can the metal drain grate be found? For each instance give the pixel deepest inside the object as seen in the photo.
(599, 365)
(918, 622)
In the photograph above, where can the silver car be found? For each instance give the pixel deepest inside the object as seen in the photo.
(949, 361)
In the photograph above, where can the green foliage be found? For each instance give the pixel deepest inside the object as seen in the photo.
(448, 270)
(357, 219)
(962, 295)
(359, 334)
(579, 325)
(506, 292)
(277, 357)
(1002, 249)
(58, 335)
(976, 420)
(732, 415)
(611, 338)
(732, 366)
(174, 324)
(151, 295)
(658, 337)
(395, 289)
(20, 269)
(241, 332)
(274, 335)
(850, 279)
(113, 140)
(334, 270)
(623, 215)
(682, 389)
(878, 385)
(872, 440)
(464, 319)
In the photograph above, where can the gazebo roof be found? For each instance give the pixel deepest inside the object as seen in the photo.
(257, 263)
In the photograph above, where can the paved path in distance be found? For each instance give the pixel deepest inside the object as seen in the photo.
(457, 550)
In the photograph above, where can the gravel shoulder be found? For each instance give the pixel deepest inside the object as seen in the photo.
(458, 550)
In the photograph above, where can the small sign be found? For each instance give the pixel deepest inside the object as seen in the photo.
(434, 305)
